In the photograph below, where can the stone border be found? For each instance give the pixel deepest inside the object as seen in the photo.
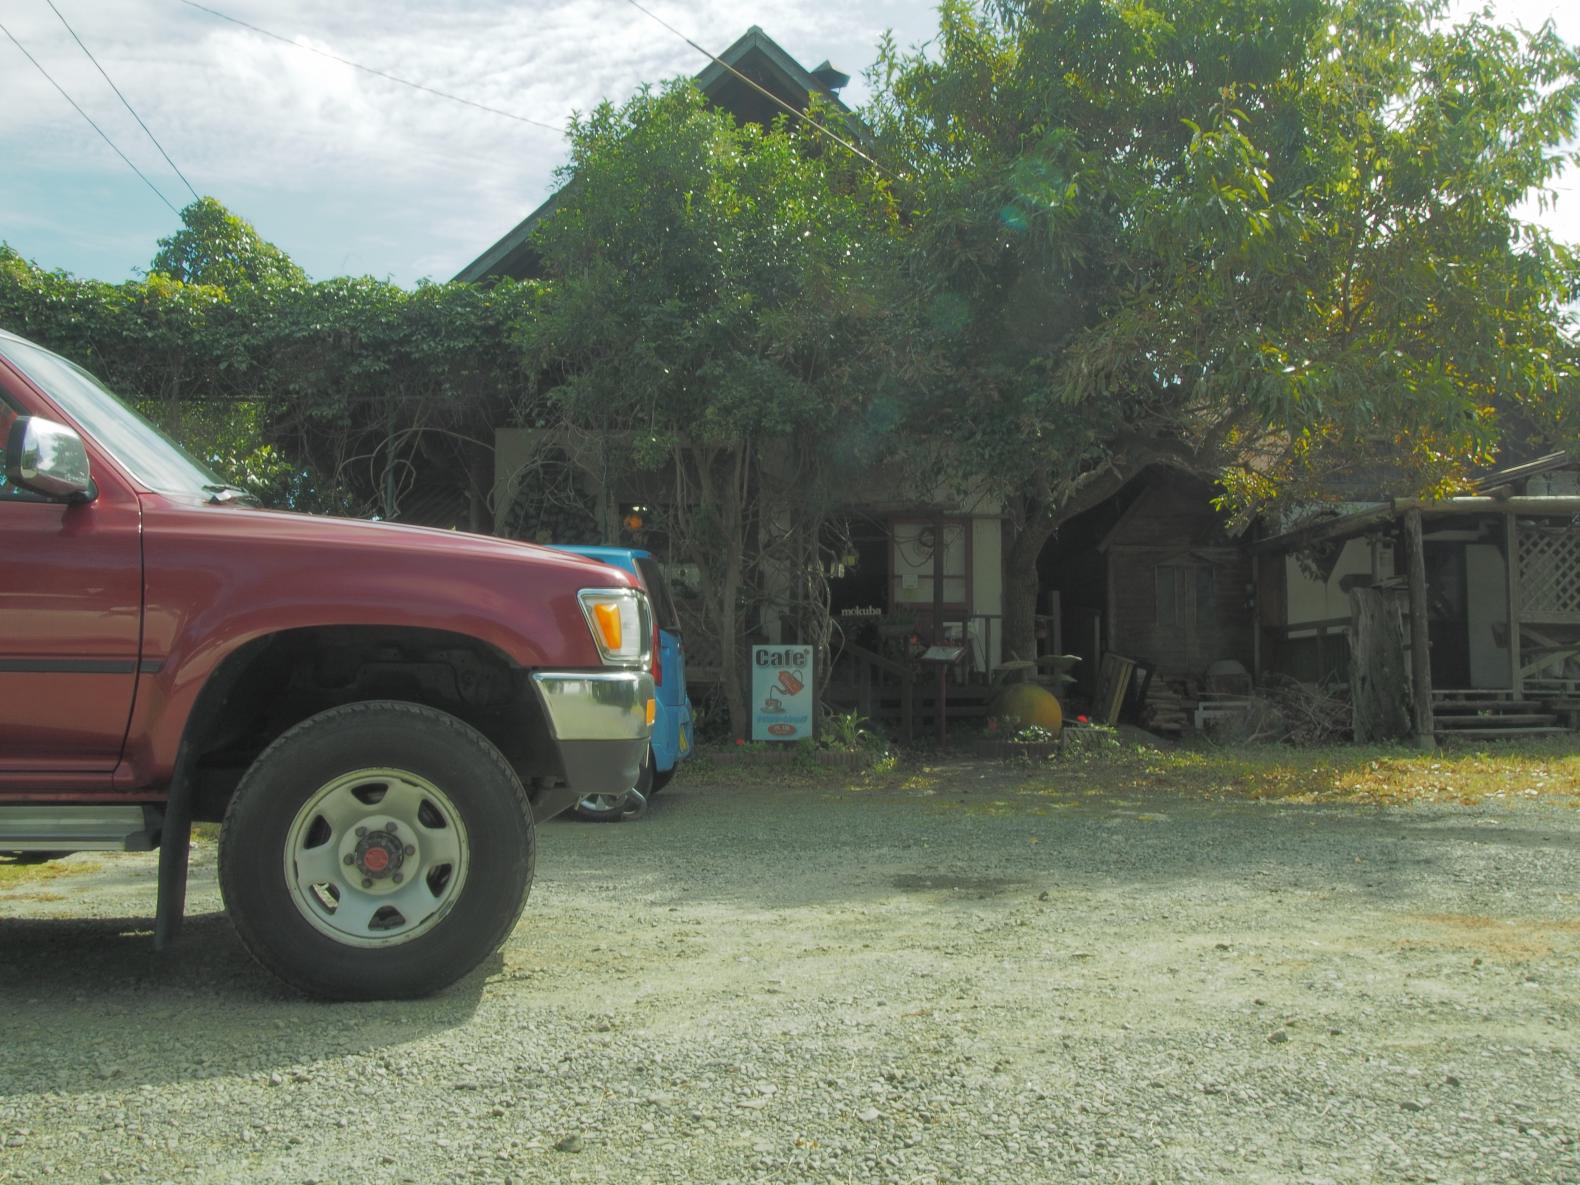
(998, 750)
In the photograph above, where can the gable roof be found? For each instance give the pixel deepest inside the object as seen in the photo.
(754, 55)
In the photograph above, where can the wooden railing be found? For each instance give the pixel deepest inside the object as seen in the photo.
(870, 669)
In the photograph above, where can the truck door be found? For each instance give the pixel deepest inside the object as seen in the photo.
(70, 618)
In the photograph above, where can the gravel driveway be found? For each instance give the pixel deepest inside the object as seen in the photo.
(941, 980)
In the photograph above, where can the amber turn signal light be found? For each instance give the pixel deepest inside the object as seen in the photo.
(621, 624)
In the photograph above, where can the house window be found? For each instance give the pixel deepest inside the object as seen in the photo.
(1186, 594)
(912, 557)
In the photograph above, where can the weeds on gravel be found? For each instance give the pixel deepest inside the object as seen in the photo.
(1538, 769)
(14, 873)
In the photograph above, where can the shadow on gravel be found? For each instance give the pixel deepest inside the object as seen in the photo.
(1510, 837)
(788, 847)
(90, 1005)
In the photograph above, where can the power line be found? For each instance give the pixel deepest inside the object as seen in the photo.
(370, 70)
(122, 98)
(843, 143)
(89, 118)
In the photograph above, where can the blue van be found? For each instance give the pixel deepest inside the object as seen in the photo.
(672, 739)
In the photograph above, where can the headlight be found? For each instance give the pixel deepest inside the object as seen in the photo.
(621, 623)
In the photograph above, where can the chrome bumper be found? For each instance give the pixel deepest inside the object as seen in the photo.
(596, 705)
(599, 723)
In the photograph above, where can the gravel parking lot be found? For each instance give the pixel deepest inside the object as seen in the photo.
(944, 977)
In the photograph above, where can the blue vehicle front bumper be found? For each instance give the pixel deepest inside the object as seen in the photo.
(672, 736)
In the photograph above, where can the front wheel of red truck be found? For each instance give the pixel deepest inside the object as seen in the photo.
(377, 850)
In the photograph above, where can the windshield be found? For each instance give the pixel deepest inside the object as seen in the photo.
(658, 593)
(151, 456)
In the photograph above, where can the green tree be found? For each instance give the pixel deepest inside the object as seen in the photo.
(1255, 239)
(336, 396)
(388, 392)
(716, 306)
(216, 247)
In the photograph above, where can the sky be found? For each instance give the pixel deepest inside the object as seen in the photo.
(354, 175)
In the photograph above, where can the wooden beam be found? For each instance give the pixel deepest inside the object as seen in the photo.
(1470, 504)
(1256, 620)
(1352, 525)
(1420, 646)
(1511, 552)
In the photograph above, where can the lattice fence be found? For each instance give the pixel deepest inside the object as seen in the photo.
(1550, 574)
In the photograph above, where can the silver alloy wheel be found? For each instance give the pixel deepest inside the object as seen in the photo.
(376, 857)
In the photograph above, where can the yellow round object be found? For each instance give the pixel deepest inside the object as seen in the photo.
(1028, 703)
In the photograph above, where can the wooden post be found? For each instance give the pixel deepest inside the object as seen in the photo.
(1511, 554)
(938, 705)
(938, 581)
(1420, 646)
(908, 705)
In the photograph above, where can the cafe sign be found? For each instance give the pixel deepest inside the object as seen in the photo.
(781, 693)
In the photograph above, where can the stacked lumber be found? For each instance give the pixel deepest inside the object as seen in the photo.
(1167, 709)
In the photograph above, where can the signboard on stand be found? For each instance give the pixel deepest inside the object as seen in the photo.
(781, 693)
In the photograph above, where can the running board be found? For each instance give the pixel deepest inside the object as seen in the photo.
(98, 828)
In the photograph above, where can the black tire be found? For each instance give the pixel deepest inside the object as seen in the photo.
(605, 808)
(323, 801)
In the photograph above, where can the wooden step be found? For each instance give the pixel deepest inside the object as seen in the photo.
(1500, 719)
(1485, 705)
(1502, 733)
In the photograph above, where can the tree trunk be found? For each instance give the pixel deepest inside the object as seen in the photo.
(731, 670)
(1020, 584)
(1379, 683)
(1034, 517)
(715, 521)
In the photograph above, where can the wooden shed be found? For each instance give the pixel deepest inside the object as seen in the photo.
(1154, 575)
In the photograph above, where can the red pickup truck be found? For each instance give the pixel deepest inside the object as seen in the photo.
(377, 714)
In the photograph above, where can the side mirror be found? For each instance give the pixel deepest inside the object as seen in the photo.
(49, 459)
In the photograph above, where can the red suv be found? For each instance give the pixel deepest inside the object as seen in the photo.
(378, 714)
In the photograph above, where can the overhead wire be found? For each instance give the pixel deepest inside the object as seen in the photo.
(89, 118)
(124, 101)
(324, 53)
(756, 86)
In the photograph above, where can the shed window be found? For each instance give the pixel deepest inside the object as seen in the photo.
(1186, 594)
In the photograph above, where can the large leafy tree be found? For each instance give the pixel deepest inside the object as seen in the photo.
(215, 246)
(1256, 239)
(717, 294)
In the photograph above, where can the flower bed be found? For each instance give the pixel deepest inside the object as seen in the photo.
(1008, 739)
